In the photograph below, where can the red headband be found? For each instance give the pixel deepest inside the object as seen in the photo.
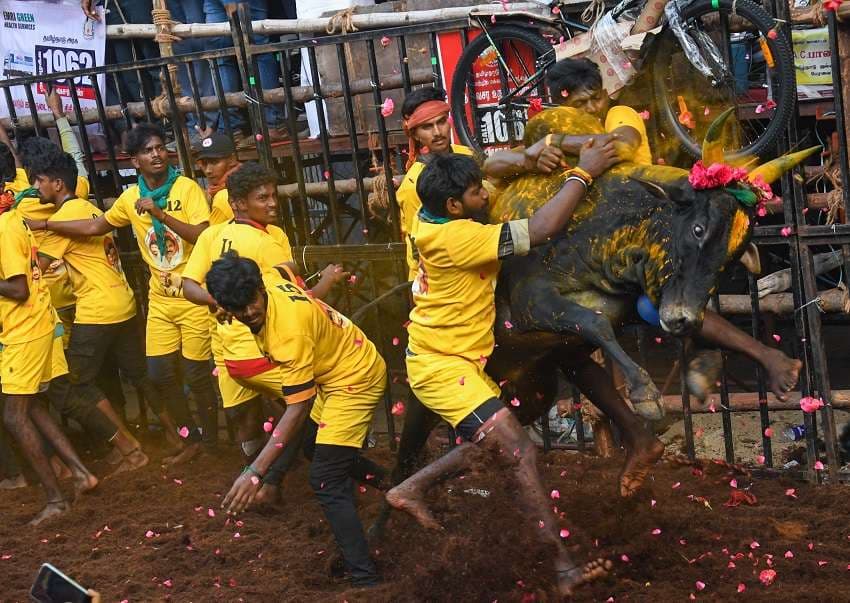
(424, 112)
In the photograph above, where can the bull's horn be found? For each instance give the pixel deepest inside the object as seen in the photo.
(712, 145)
(773, 169)
(751, 259)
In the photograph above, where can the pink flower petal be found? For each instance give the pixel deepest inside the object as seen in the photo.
(395, 340)
(819, 466)
(565, 533)
(733, 483)
(644, 115)
(509, 324)
(777, 338)
(515, 402)
(168, 583)
(398, 409)
(541, 524)
(624, 558)
(554, 495)
(656, 532)
(183, 432)
(385, 41)
(255, 480)
(652, 503)
(237, 535)
(361, 489)
(179, 482)
(760, 459)
(789, 555)
(149, 534)
(700, 585)
(267, 427)
(768, 432)
(388, 107)
(754, 544)
(767, 576)
(741, 587)
(210, 513)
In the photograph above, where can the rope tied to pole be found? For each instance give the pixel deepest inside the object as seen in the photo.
(162, 19)
(343, 20)
(378, 200)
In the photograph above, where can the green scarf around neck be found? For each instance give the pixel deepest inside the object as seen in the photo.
(160, 198)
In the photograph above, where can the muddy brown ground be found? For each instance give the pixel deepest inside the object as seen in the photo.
(487, 551)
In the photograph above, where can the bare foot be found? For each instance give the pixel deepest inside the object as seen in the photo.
(410, 501)
(51, 509)
(60, 469)
(13, 483)
(187, 454)
(570, 578)
(639, 463)
(132, 461)
(268, 495)
(783, 372)
(84, 482)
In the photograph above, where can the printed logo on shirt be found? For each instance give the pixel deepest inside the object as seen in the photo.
(173, 249)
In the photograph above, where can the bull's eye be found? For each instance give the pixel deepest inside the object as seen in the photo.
(699, 231)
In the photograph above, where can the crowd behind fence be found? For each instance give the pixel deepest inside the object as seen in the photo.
(326, 182)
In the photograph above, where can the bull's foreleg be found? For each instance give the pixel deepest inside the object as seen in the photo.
(538, 306)
(642, 448)
(418, 424)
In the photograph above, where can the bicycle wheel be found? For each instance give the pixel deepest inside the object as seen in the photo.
(496, 76)
(760, 83)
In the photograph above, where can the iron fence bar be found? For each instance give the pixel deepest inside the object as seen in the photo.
(178, 127)
(299, 206)
(435, 65)
(401, 44)
(39, 130)
(764, 411)
(579, 422)
(342, 59)
(111, 144)
(84, 137)
(146, 95)
(327, 165)
(686, 404)
(13, 115)
(121, 101)
(218, 88)
(384, 137)
(240, 24)
(725, 406)
(200, 114)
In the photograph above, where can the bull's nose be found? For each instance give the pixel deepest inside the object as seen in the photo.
(675, 326)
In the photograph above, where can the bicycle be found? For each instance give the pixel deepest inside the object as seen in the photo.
(707, 56)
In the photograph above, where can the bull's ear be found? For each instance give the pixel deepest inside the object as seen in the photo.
(751, 259)
(669, 192)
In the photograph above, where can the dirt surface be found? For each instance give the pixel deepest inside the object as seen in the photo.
(149, 536)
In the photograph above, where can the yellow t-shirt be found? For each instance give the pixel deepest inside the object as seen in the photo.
(454, 290)
(221, 212)
(269, 248)
(315, 346)
(409, 204)
(94, 266)
(21, 183)
(187, 203)
(626, 116)
(34, 318)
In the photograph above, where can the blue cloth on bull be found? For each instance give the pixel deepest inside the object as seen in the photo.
(648, 311)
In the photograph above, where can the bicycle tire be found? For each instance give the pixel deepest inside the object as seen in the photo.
(464, 72)
(780, 47)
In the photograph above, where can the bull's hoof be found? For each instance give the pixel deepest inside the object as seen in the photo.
(651, 410)
(703, 372)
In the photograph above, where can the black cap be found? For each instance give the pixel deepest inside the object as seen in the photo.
(216, 146)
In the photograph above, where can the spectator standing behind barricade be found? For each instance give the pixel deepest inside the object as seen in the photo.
(215, 12)
(119, 12)
(167, 212)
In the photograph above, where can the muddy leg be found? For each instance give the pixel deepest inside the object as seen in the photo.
(782, 371)
(84, 480)
(642, 448)
(17, 419)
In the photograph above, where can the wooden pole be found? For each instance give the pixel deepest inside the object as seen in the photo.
(361, 22)
(782, 304)
(186, 104)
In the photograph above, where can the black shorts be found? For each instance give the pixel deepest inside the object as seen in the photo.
(470, 424)
(88, 348)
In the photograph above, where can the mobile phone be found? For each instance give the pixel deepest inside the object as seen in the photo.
(52, 586)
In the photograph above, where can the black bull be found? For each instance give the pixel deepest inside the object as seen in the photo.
(639, 230)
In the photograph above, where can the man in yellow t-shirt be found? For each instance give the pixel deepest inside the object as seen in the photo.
(29, 324)
(244, 373)
(167, 213)
(451, 329)
(576, 83)
(325, 362)
(105, 323)
(428, 128)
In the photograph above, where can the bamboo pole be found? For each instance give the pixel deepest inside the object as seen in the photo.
(306, 26)
(186, 104)
(782, 304)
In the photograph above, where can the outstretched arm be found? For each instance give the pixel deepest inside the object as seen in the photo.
(73, 228)
(66, 134)
(551, 219)
(197, 294)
